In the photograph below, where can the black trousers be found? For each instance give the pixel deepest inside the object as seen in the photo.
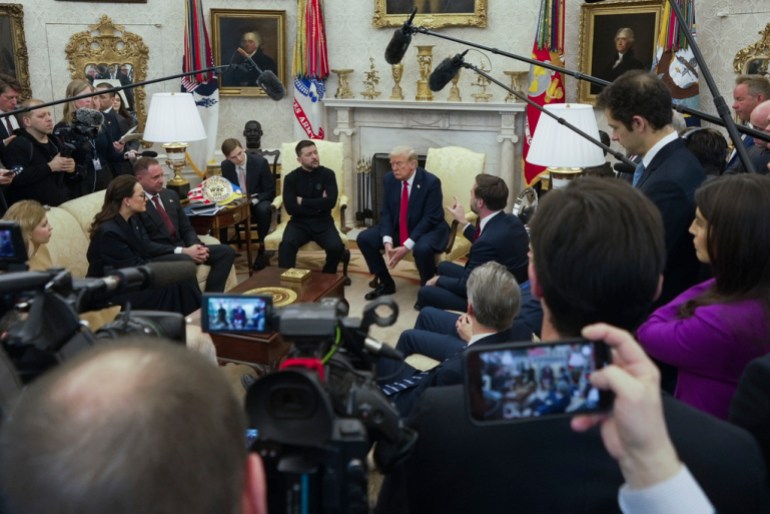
(300, 232)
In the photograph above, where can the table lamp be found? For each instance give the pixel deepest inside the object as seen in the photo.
(173, 120)
(562, 151)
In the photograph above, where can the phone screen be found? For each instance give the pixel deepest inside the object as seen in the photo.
(526, 381)
(236, 313)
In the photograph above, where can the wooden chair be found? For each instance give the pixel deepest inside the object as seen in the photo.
(332, 156)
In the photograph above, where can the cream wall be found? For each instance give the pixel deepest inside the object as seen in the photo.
(724, 26)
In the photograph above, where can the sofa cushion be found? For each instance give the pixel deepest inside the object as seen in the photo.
(84, 209)
(68, 242)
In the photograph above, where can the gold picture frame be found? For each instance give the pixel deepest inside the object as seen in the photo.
(600, 22)
(229, 27)
(431, 14)
(14, 60)
(755, 58)
(106, 52)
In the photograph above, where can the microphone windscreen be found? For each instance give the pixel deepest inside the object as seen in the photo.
(441, 76)
(90, 117)
(622, 167)
(272, 86)
(397, 47)
(164, 274)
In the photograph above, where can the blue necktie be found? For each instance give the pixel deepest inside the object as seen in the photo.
(406, 383)
(638, 172)
(748, 142)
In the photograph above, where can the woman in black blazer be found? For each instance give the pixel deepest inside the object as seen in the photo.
(118, 240)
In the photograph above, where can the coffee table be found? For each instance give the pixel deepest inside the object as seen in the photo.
(270, 348)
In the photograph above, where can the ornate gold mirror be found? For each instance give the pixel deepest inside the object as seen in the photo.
(754, 59)
(107, 53)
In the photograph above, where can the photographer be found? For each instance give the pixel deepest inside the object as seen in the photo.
(80, 132)
(160, 424)
(45, 172)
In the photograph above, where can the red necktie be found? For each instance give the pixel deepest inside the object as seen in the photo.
(477, 233)
(403, 230)
(164, 216)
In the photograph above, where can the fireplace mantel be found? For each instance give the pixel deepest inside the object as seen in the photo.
(371, 126)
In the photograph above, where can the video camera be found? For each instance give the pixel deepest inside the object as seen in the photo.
(315, 420)
(74, 137)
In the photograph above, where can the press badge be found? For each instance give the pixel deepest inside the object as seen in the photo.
(97, 164)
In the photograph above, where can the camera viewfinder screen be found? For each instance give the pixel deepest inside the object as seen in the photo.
(516, 384)
(229, 313)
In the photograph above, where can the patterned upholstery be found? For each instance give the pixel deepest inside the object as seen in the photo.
(331, 155)
(69, 242)
(457, 168)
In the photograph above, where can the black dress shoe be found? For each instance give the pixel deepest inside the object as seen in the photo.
(374, 282)
(380, 290)
(260, 262)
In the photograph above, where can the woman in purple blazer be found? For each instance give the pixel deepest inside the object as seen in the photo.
(714, 329)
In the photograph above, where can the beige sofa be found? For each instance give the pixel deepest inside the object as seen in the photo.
(69, 242)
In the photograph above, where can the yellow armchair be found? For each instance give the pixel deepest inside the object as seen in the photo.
(331, 155)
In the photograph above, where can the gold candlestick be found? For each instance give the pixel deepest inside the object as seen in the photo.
(425, 60)
(454, 92)
(343, 86)
(398, 71)
(518, 83)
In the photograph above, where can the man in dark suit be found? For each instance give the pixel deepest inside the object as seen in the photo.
(748, 93)
(758, 150)
(638, 110)
(170, 230)
(597, 255)
(118, 162)
(493, 301)
(309, 195)
(425, 232)
(10, 91)
(251, 172)
(500, 237)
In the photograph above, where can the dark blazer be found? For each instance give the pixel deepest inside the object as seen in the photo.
(259, 180)
(670, 182)
(36, 181)
(750, 407)
(425, 213)
(156, 229)
(543, 466)
(504, 240)
(116, 244)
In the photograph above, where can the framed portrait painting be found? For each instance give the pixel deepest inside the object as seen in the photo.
(616, 37)
(14, 60)
(260, 34)
(431, 13)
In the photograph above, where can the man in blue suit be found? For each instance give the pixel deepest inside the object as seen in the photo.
(500, 237)
(493, 301)
(425, 232)
(638, 110)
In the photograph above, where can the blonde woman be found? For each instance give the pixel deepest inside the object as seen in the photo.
(35, 230)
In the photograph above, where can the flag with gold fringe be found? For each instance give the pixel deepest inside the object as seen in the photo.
(310, 68)
(675, 61)
(203, 86)
(545, 86)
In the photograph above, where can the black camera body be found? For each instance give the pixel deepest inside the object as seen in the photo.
(317, 418)
(74, 137)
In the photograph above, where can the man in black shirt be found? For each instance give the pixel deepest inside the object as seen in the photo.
(309, 195)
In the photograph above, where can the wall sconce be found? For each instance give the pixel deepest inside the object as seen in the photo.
(173, 120)
(561, 150)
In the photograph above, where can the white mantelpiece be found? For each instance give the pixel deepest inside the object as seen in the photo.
(370, 126)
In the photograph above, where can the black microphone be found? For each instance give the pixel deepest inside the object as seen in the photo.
(399, 43)
(445, 72)
(90, 117)
(266, 79)
(271, 85)
(381, 349)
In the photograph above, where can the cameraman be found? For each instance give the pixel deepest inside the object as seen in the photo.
(81, 132)
(45, 171)
(135, 426)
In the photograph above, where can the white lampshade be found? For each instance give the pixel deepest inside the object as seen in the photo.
(556, 146)
(173, 117)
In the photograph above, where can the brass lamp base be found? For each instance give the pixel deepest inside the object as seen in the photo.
(556, 178)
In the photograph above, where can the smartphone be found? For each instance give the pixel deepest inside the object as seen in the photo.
(13, 250)
(236, 313)
(527, 381)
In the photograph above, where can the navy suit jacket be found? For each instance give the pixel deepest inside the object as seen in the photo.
(161, 241)
(670, 182)
(259, 180)
(504, 240)
(425, 214)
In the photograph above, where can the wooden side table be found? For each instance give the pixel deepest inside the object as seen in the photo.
(233, 214)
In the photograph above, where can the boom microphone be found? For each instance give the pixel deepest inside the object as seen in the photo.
(399, 43)
(89, 117)
(445, 72)
(266, 79)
